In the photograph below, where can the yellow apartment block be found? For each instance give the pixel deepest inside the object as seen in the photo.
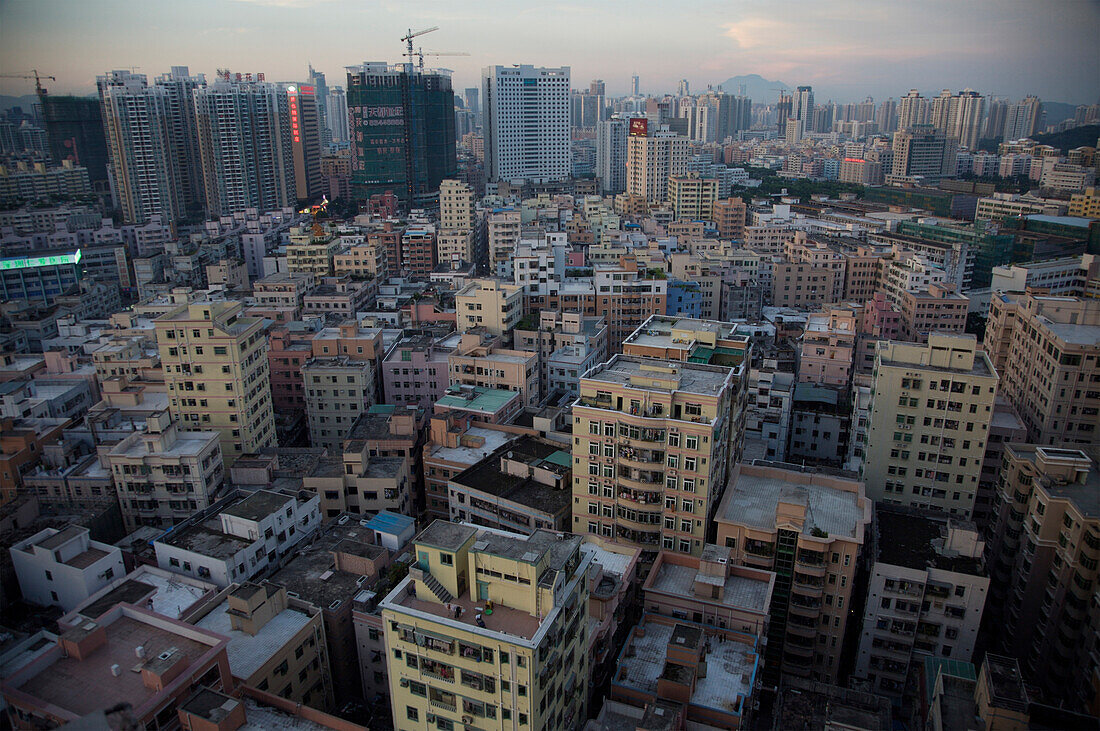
(489, 631)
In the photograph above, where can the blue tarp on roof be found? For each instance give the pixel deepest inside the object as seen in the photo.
(390, 522)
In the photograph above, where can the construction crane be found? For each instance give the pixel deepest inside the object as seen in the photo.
(421, 53)
(32, 75)
(408, 40)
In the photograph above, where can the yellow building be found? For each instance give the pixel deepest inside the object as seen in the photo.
(931, 406)
(489, 631)
(1085, 205)
(216, 373)
(692, 197)
(310, 252)
(653, 441)
(490, 304)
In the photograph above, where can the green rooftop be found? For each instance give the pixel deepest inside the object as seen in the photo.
(484, 400)
(560, 458)
(382, 409)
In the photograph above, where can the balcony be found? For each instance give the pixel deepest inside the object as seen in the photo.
(646, 480)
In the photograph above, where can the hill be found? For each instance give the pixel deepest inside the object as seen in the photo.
(26, 101)
(757, 88)
(1077, 137)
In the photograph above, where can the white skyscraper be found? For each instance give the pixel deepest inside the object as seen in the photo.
(912, 110)
(138, 125)
(336, 114)
(1022, 119)
(526, 113)
(611, 155)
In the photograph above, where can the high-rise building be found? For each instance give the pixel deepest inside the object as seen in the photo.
(473, 103)
(1023, 119)
(216, 373)
(922, 151)
(740, 114)
(401, 123)
(1045, 349)
(1043, 558)
(320, 94)
(912, 110)
(144, 176)
(490, 627)
(526, 124)
(995, 120)
(245, 144)
(336, 115)
(74, 126)
(650, 161)
(655, 441)
(337, 390)
(930, 411)
(683, 88)
(611, 150)
(597, 88)
(887, 117)
(808, 526)
(307, 133)
(180, 86)
(959, 116)
(635, 85)
(783, 110)
(804, 105)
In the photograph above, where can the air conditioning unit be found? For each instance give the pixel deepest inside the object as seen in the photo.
(431, 718)
(404, 682)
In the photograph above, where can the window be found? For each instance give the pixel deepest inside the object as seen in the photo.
(446, 559)
(49, 576)
(412, 714)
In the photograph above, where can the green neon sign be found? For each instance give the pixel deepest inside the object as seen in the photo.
(34, 262)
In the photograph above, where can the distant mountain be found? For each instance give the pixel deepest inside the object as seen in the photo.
(1058, 111)
(27, 102)
(757, 88)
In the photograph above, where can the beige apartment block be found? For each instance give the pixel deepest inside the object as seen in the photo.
(352, 481)
(337, 391)
(692, 197)
(822, 257)
(1086, 204)
(801, 285)
(1044, 559)
(456, 206)
(453, 247)
(490, 631)
(651, 161)
(283, 292)
(931, 406)
(939, 308)
(653, 441)
(311, 250)
(827, 349)
(366, 260)
(502, 229)
(164, 475)
(729, 217)
(1047, 350)
(489, 303)
(481, 360)
(808, 526)
(216, 370)
(276, 642)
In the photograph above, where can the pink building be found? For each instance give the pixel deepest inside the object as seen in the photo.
(879, 320)
(415, 370)
(827, 348)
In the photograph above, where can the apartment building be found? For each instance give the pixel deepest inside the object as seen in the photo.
(1047, 351)
(418, 250)
(823, 257)
(1043, 562)
(502, 232)
(416, 370)
(164, 474)
(938, 308)
(808, 527)
(491, 627)
(490, 304)
(553, 331)
(216, 372)
(98, 657)
(826, 351)
(337, 391)
(62, 568)
(339, 295)
(282, 295)
(653, 442)
(353, 481)
(311, 250)
(692, 197)
(276, 642)
(362, 261)
(287, 351)
(927, 590)
(240, 540)
(651, 160)
(801, 285)
(456, 442)
(521, 487)
(729, 218)
(687, 339)
(482, 360)
(930, 411)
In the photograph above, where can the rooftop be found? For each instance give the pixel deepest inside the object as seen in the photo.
(1085, 494)
(696, 378)
(740, 591)
(258, 505)
(157, 591)
(389, 522)
(730, 667)
(248, 653)
(446, 535)
(488, 475)
(204, 540)
(312, 573)
(480, 399)
(493, 439)
(54, 683)
(911, 540)
(754, 495)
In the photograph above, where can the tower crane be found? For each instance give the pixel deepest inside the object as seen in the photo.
(421, 53)
(32, 75)
(408, 40)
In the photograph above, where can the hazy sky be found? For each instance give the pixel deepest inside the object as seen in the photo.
(845, 49)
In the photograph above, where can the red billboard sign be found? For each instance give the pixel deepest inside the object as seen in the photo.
(639, 127)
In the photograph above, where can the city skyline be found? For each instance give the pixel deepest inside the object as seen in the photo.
(846, 51)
